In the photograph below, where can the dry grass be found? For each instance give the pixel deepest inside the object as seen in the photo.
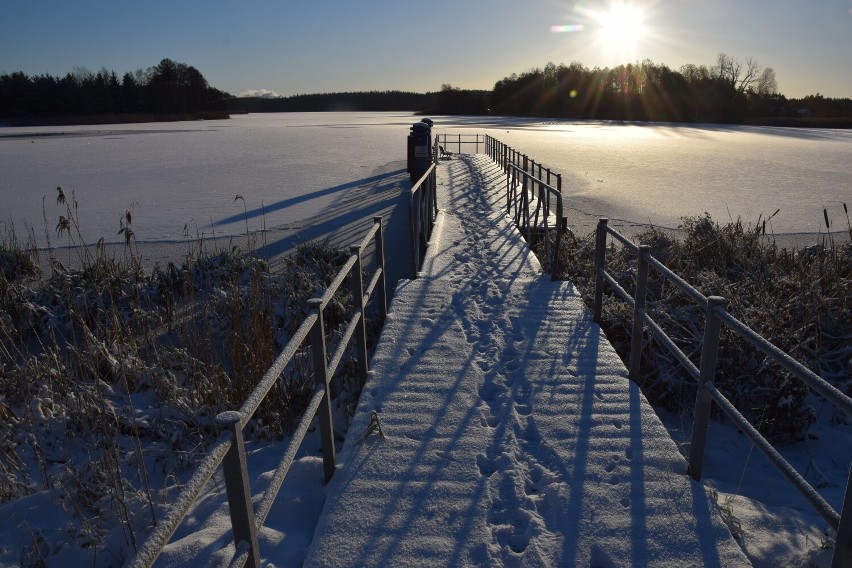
(799, 300)
(110, 377)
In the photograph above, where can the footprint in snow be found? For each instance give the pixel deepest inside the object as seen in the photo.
(487, 466)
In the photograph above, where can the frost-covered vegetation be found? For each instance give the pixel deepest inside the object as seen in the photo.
(800, 300)
(111, 376)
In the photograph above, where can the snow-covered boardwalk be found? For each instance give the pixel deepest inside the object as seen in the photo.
(512, 436)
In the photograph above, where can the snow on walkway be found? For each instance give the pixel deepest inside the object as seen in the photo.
(512, 436)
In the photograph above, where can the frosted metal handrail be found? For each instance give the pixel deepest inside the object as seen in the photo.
(159, 537)
(716, 314)
(229, 449)
(422, 211)
(527, 220)
(461, 139)
(814, 381)
(516, 166)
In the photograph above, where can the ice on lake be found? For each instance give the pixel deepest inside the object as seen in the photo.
(181, 179)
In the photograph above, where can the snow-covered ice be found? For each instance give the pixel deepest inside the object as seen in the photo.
(181, 179)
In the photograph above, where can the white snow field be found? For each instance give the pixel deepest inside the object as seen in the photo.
(512, 435)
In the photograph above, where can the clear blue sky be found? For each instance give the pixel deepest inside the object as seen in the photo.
(304, 46)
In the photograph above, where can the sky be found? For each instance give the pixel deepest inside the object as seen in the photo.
(289, 47)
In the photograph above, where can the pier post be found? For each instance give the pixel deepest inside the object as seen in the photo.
(237, 487)
(357, 284)
(381, 286)
(639, 312)
(321, 379)
(707, 374)
(600, 267)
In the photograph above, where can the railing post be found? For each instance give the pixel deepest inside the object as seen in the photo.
(360, 338)
(707, 374)
(321, 378)
(559, 220)
(527, 200)
(413, 218)
(639, 312)
(434, 212)
(515, 190)
(544, 200)
(600, 266)
(381, 289)
(842, 556)
(508, 193)
(237, 487)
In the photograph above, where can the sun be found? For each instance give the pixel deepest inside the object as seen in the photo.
(620, 28)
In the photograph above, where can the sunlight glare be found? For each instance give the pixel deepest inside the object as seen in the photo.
(620, 27)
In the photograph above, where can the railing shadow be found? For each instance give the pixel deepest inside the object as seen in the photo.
(362, 184)
(343, 222)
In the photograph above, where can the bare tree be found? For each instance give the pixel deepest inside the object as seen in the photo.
(737, 75)
(693, 73)
(766, 84)
(81, 74)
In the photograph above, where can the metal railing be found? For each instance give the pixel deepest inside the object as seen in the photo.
(455, 142)
(228, 449)
(507, 156)
(422, 211)
(716, 315)
(530, 198)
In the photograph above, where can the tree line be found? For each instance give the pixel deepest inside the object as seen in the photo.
(166, 88)
(730, 91)
(325, 102)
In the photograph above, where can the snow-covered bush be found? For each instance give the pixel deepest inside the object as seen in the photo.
(110, 378)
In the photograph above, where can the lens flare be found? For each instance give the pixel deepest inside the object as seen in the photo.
(566, 29)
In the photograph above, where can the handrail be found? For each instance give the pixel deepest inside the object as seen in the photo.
(422, 210)
(446, 140)
(530, 224)
(529, 192)
(716, 315)
(159, 537)
(814, 381)
(229, 450)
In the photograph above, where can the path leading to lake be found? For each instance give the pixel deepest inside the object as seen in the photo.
(510, 433)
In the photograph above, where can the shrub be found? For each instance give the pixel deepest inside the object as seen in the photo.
(110, 375)
(798, 300)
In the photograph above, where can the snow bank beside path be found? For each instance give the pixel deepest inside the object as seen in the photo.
(512, 436)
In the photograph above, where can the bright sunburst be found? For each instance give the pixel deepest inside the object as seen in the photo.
(617, 29)
(621, 28)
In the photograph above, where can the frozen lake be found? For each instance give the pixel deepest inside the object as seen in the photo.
(294, 170)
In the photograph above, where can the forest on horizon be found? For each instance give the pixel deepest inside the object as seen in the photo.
(730, 91)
